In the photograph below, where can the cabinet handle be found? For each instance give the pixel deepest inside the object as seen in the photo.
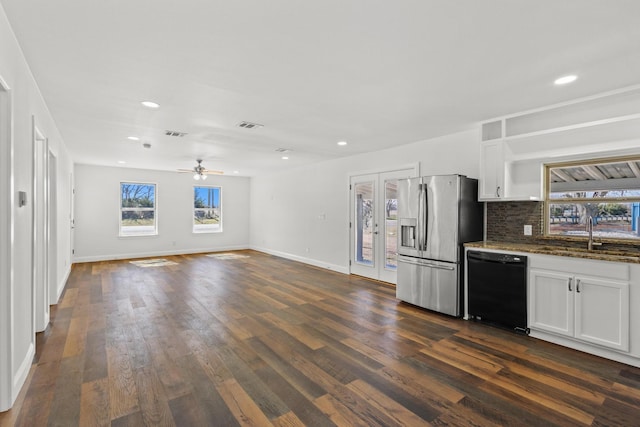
(498, 191)
(570, 280)
(578, 285)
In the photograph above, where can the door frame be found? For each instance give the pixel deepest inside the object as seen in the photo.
(40, 229)
(52, 227)
(7, 206)
(351, 175)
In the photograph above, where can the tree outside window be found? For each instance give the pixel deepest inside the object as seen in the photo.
(207, 213)
(137, 209)
(606, 191)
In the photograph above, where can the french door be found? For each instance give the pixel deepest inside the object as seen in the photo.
(373, 224)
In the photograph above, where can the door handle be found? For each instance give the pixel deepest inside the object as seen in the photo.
(423, 264)
(440, 267)
(425, 227)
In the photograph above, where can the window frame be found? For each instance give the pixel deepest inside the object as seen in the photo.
(154, 209)
(548, 201)
(203, 229)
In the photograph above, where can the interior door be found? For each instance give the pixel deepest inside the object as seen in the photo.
(374, 224)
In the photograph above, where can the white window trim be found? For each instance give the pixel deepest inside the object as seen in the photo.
(193, 225)
(155, 209)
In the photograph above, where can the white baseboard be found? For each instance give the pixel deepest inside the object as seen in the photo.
(62, 284)
(157, 253)
(629, 359)
(23, 371)
(305, 260)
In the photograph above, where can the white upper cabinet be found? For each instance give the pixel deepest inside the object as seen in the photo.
(491, 170)
(516, 147)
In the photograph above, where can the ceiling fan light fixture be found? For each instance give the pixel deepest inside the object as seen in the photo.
(199, 172)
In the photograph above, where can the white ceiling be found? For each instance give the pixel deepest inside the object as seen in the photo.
(376, 73)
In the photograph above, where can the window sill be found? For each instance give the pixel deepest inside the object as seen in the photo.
(126, 236)
(206, 231)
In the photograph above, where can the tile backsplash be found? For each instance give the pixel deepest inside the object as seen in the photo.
(506, 221)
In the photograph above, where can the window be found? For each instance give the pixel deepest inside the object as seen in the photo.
(391, 223)
(606, 190)
(207, 214)
(137, 209)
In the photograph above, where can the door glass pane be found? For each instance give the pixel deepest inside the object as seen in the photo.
(364, 199)
(390, 224)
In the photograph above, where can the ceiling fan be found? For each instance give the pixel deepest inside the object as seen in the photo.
(199, 171)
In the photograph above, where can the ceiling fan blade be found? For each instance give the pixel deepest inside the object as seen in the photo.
(185, 170)
(210, 172)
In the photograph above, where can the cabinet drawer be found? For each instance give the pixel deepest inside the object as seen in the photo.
(579, 266)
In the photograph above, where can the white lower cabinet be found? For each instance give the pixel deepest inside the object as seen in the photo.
(590, 309)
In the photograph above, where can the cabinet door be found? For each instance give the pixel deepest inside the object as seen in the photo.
(491, 171)
(551, 301)
(602, 312)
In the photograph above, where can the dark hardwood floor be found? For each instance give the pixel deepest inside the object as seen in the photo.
(261, 340)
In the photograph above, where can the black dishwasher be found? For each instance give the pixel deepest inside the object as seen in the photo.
(497, 289)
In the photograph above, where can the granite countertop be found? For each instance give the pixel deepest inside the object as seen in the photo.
(536, 248)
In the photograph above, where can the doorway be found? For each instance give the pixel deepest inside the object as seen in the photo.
(373, 223)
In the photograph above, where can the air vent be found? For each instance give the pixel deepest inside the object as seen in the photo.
(282, 150)
(174, 133)
(249, 125)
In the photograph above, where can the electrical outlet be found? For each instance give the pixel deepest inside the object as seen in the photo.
(528, 230)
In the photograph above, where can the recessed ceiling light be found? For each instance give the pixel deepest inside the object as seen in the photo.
(342, 143)
(133, 138)
(122, 162)
(565, 79)
(285, 158)
(150, 104)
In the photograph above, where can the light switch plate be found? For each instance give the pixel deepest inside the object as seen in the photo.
(528, 230)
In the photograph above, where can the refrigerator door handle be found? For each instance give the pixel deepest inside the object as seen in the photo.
(420, 209)
(424, 264)
(425, 219)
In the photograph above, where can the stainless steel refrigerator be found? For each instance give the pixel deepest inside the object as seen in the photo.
(436, 215)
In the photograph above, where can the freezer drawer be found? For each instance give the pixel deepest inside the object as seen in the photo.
(430, 284)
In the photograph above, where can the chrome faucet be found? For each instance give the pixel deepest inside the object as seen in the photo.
(591, 243)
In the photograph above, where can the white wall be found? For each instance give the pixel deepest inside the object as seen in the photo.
(97, 211)
(285, 207)
(18, 339)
